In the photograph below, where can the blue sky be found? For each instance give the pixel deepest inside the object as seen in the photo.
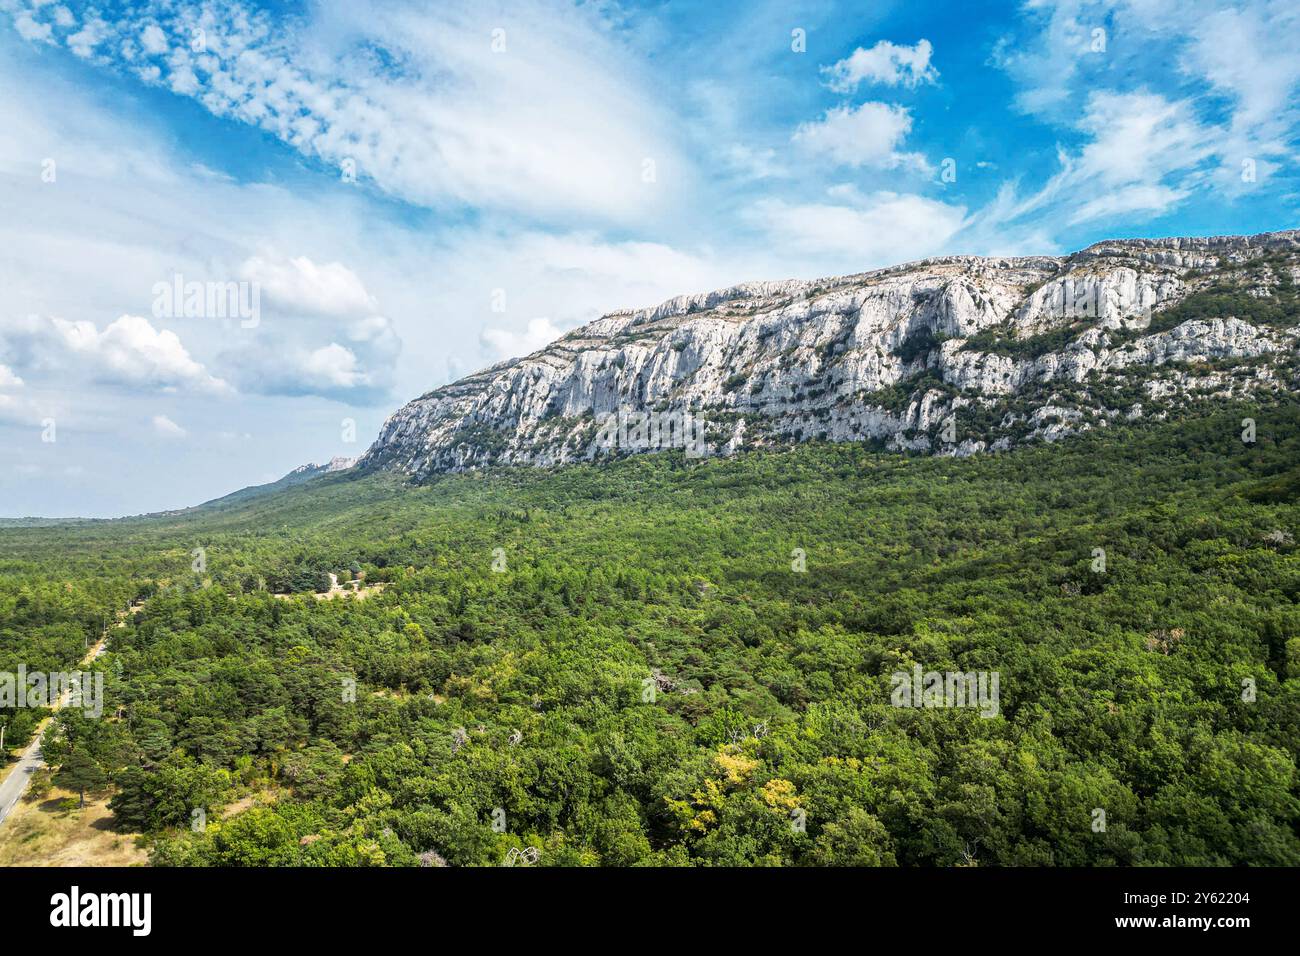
(418, 190)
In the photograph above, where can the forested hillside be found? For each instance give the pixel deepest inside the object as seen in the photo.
(663, 661)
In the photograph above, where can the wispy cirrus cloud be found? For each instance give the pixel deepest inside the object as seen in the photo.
(1223, 118)
(1142, 157)
(436, 105)
(871, 229)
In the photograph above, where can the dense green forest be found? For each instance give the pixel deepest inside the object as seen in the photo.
(671, 662)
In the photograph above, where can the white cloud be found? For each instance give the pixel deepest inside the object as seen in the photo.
(32, 30)
(8, 379)
(279, 360)
(85, 40)
(154, 40)
(308, 302)
(864, 135)
(333, 366)
(885, 63)
(131, 351)
(164, 426)
(332, 371)
(300, 286)
(128, 352)
(506, 343)
(861, 232)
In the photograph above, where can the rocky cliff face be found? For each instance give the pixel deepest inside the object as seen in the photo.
(951, 355)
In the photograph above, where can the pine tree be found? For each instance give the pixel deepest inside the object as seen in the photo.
(80, 772)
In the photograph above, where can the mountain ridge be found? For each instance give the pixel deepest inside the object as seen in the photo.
(950, 355)
(304, 472)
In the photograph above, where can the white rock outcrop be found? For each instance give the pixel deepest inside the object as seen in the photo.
(888, 355)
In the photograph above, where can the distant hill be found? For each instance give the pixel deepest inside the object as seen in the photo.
(299, 475)
(296, 477)
(32, 522)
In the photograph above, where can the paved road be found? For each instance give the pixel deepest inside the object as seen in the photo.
(19, 779)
